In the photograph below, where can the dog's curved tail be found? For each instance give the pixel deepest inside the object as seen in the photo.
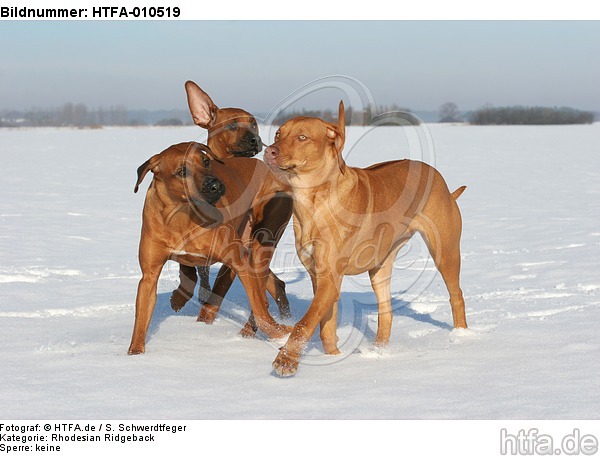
(459, 191)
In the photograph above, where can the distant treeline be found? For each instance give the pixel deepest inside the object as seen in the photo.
(519, 115)
(395, 116)
(78, 115)
(68, 115)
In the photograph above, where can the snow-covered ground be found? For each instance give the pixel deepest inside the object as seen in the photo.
(531, 249)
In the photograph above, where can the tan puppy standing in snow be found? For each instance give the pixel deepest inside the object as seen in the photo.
(350, 220)
(233, 133)
(194, 212)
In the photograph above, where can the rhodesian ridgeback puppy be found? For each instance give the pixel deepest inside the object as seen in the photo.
(350, 220)
(192, 214)
(232, 132)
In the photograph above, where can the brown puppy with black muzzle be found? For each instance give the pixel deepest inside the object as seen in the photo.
(192, 214)
(233, 132)
(350, 220)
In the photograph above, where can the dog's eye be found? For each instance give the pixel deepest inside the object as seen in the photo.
(183, 172)
(205, 162)
(277, 135)
(232, 126)
(302, 138)
(254, 126)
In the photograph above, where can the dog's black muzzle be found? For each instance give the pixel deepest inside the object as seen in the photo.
(212, 190)
(249, 146)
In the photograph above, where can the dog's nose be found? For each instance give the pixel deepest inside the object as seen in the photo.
(213, 186)
(272, 151)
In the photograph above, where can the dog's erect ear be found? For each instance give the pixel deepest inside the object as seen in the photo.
(202, 108)
(337, 134)
(342, 120)
(150, 164)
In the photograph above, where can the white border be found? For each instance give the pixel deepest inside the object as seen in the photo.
(302, 437)
(344, 10)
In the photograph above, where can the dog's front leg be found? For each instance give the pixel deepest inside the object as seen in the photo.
(214, 298)
(257, 295)
(327, 293)
(237, 257)
(145, 300)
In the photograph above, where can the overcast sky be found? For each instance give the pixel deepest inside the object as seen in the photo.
(255, 64)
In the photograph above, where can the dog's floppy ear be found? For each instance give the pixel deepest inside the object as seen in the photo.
(208, 151)
(337, 134)
(150, 164)
(202, 108)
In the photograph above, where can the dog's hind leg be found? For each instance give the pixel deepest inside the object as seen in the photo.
(210, 307)
(270, 222)
(443, 242)
(449, 267)
(276, 288)
(328, 333)
(380, 281)
(204, 291)
(185, 291)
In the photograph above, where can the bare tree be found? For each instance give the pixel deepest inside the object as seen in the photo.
(449, 112)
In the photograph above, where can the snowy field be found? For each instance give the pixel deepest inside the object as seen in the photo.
(531, 249)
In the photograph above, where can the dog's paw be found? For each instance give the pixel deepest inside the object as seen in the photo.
(275, 330)
(178, 300)
(285, 365)
(281, 331)
(248, 331)
(208, 313)
(136, 350)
